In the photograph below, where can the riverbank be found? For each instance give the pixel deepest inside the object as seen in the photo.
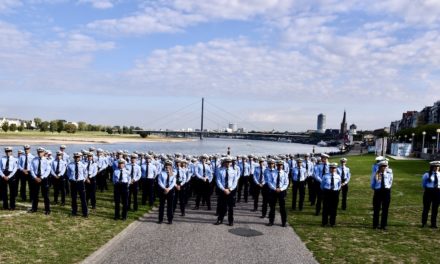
(48, 138)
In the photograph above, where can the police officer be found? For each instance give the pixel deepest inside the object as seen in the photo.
(90, 182)
(135, 175)
(259, 183)
(381, 182)
(204, 175)
(345, 174)
(24, 164)
(226, 182)
(8, 170)
(320, 170)
(149, 172)
(66, 159)
(431, 195)
(309, 164)
(278, 184)
(121, 180)
(40, 170)
(298, 184)
(269, 173)
(58, 169)
(330, 186)
(77, 174)
(243, 182)
(167, 183)
(101, 163)
(179, 195)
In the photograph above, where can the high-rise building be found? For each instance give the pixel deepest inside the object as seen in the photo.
(321, 123)
(233, 127)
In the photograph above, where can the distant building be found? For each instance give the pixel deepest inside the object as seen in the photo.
(233, 126)
(353, 130)
(394, 127)
(343, 130)
(321, 126)
(412, 119)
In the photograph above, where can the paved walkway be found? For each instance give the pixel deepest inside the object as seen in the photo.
(194, 239)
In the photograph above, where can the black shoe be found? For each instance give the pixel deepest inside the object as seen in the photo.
(263, 216)
(196, 208)
(47, 213)
(183, 214)
(269, 224)
(170, 222)
(218, 222)
(209, 208)
(159, 222)
(85, 216)
(434, 226)
(283, 225)
(253, 210)
(323, 225)
(374, 227)
(423, 225)
(31, 211)
(384, 228)
(62, 204)
(231, 224)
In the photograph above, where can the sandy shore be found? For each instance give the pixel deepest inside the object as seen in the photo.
(14, 141)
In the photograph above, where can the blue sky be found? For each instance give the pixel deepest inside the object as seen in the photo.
(271, 64)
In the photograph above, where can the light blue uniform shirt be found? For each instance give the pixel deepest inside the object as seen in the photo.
(301, 172)
(162, 180)
(12, 166)
(221, 177)
(117, 174)
(136, 174)
(326, 183)
(82, 174)
(387, 177)
(62, 168)
(208, 171)
(22, 159)
(182, 175)
(428, 181)
(45, 167)
(309, 166)
(247, 169)
(257, 172)
(319, 171)
(284, 180)
(101, 163)
(346, 173)
(152, 171)
(91, 170)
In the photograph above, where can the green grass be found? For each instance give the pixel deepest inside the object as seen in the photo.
(60, 238)
(353, 240)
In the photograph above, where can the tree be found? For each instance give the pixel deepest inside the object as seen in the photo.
(37, 121)
(125, 130)
(109, 130)
(28, 124)
(53, 126)
(82, 126)
(44, 126)
(21, 127)
(70, 128)
(5, 126)
(60, 125)
(13, 127)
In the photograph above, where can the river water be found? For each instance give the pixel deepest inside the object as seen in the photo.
(198, 147)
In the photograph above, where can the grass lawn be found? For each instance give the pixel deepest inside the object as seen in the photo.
(353, 240)
(30, 133)
(59, 238)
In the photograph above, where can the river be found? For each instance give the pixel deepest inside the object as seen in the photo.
(198, 147)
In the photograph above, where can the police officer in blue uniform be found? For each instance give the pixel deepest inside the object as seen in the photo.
(381, 182)
(226, 180)
(320, 171)
(8, 179)
(243, 182)
(135, 175)
(121, 180)
(167, 183)
(345, 174)
(431, 195)
(259, 183)
(40, 170)
(90, 182)
(204, 175)
(298, 184)
(58, 170)
(330, 186)
(149, 172)
(278, 185)
(179, 195)
(24, 164)
(77, 173)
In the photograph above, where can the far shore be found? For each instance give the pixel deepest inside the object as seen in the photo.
(48, 139)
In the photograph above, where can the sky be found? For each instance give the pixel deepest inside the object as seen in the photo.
(264, 64)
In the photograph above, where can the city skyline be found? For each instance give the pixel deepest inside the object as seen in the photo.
(276, 64)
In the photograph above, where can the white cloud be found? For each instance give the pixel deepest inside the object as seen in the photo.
(99, 4)
(6, 5)
(81, 43)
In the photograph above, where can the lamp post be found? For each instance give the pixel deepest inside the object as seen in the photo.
(433, 141)
(438, 134)
(406, 137)
(412, 140)
(423, 140)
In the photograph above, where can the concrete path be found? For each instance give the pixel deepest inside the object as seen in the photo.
(194, 239)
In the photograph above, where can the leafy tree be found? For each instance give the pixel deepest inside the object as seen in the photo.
(44, 126)
(5, 126)
(37, 122)
(60, 125)
(82, 126)
(109, 130)
(70, 128)
(53, 126)
(13, 127)
(21, 127)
